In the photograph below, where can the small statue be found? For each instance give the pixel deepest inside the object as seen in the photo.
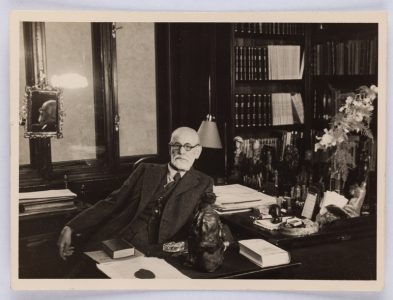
(275, 212)
(206, 238)
(238, 155)
(238, 150)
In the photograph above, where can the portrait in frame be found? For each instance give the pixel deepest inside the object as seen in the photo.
(42, 112)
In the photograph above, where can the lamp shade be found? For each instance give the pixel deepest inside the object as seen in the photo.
(208, 134)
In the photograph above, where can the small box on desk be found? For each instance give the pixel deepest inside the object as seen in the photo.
(118, 248)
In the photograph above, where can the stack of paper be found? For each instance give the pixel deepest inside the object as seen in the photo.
(235, 198)
(46, 201)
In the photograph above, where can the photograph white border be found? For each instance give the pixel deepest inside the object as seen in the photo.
(16, 17)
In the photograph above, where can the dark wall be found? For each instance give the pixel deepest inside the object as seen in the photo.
(190, 44)
(196, 53)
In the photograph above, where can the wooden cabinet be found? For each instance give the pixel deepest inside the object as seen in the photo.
(38, 252)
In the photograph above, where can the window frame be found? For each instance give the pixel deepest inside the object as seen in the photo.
(42, 172)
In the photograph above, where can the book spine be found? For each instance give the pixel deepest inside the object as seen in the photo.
(242, 102)
(266, 66)
(237, 110)
(260, 117)
(254, 110)
(241, 63)
(265, 110)
(236, 63)
(249, 122)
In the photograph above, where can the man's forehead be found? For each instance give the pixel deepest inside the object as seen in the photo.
(185, 136)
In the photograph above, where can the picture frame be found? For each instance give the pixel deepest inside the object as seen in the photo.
(42, 112)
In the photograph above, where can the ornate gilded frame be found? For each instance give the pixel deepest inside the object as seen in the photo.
(33, 100)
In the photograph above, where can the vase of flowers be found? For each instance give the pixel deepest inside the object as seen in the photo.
(352, 118)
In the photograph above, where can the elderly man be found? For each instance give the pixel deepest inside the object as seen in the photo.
(155, 204)
(48, 116)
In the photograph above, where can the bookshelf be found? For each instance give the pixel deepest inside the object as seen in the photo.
(342, 58)
(332, 59)
(268, 85)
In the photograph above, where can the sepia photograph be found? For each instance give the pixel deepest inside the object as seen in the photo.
(243, 150)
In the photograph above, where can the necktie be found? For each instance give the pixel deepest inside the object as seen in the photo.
(171, 184)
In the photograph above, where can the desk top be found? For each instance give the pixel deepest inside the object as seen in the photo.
(235, 265)
(340, 230)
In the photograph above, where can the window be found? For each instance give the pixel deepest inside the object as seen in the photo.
(136, 88)
(69, 59)
(107, 73)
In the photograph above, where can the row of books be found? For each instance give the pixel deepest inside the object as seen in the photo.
(33, 203)
(257, 110)
(352, 57)
(272, 62)
(324, 104)
(269, 28)
(251, 63)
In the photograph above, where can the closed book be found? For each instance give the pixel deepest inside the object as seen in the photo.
(118, 248)
(263, 253)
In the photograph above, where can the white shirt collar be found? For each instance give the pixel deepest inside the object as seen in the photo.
(172, 172)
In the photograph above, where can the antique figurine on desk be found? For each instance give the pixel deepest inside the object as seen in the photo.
(156, 204)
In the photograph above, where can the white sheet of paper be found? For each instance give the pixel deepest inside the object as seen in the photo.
(127, 268)
(309, 205)
(332, 198)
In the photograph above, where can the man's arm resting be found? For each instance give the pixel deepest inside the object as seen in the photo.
(104, 208)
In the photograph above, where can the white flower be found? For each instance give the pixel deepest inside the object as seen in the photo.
(374, 88)
(359, 116)
(357, 103)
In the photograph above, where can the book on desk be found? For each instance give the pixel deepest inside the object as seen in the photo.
(263, 253)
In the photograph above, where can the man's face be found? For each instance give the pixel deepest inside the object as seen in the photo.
(180, 157)
(48, 112)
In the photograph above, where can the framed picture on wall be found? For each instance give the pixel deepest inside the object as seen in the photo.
(43, 112)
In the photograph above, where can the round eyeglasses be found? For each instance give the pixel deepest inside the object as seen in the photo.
(178, 146)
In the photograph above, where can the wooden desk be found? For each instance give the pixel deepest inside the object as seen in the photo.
(345, 250)
(235, 266)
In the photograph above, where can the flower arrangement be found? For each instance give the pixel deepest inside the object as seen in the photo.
(353, 117)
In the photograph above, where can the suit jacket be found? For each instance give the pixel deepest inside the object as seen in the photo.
(112, 216)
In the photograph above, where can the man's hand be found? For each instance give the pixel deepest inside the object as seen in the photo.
(64, 243)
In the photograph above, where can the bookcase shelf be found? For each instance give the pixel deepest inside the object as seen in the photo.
(269, 86)
(360, 64)
(308, 85)
(258, 130)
